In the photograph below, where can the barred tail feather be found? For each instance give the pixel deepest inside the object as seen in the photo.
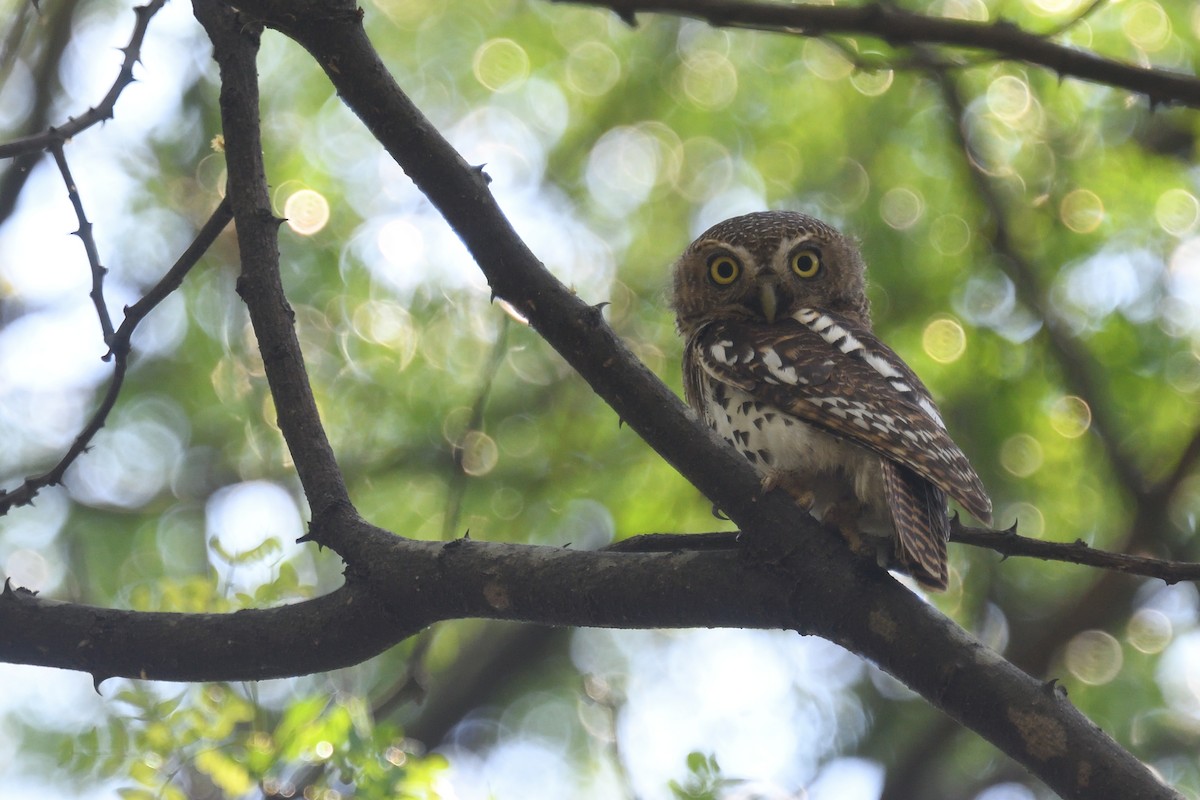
(922, 526)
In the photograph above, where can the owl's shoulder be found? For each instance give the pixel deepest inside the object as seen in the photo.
(810, 349)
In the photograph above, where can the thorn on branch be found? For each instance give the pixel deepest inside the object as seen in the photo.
(478, 170)
(16, 592)
(455, 544)
(595, 313)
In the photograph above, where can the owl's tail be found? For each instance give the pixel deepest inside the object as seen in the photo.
(922, 526)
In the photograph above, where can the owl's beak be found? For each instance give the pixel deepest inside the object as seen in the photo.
(768, 300)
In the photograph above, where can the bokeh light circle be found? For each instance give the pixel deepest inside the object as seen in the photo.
(592, 69)
(1149, 631)
(500, 65)
(1021, 455)
(1070, 416)
(479, 453)
(901, 207)
(944, 340)
(1082, 210)
(1177, 211)
(1094, 657)
(306, 211)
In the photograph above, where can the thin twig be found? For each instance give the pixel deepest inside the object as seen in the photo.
(1008, 543)
(84, 232)
(902, 28)
(101, 111)
(24, 494)
(53, 33)
(173, 279)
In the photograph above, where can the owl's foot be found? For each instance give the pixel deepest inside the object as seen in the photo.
(843, 517)
(778, 479)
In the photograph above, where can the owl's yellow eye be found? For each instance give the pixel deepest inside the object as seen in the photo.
(805, 262)
(724, 269)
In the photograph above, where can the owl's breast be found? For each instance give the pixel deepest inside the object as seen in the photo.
(779, 444)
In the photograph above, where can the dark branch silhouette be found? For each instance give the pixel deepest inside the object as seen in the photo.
(53, 37)
(787, 572)
(101, 111)
(905, 28)
(1006, 543)
(84, 232)
(119, 353)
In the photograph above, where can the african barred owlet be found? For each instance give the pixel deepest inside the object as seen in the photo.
(780, 360)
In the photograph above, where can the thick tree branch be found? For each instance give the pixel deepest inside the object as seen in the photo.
(789, 573)
(1006, 543)
(905, 28)
(836, 597)
(806, 583)
(338, 630)
(235, 48)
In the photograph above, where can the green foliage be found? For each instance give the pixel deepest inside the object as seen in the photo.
(214, 735)
(704, 780)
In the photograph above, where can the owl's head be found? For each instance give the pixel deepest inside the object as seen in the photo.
(765, 266)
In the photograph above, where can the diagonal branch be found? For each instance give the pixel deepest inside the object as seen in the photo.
(906, 28)
(119, 352)
(1164, 490)
(827, 592)
(1006, 543)
(235, 49)
(84, 232)
(1009, 543)
(53, 36)
(101, 111)
(1075, 362)
(222, 215)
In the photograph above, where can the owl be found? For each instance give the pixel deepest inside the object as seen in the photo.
(780, 360)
